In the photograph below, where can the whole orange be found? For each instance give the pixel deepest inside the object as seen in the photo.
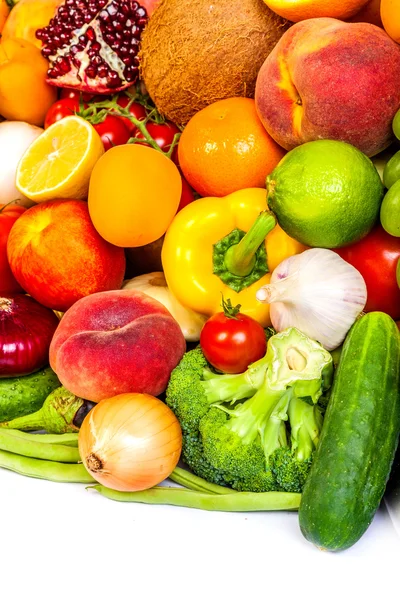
(299, 10)
(134, 194)
(390, 15)
(225, 148)
(24, 93)
(27, 16)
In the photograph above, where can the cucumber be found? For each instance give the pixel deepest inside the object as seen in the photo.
(359, 437)
(20, 396)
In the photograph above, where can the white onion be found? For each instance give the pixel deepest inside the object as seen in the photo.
(15, 138)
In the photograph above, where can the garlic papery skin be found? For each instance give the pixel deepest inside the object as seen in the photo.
(155, 285)
(318, 292)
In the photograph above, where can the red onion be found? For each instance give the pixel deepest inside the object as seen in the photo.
(26, 330)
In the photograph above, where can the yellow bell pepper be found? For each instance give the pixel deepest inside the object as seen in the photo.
(188, 252)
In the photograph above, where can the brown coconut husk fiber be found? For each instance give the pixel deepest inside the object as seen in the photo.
(195, 52)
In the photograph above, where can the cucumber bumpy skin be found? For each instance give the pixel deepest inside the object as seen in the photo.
(359, 437)
(20, 396)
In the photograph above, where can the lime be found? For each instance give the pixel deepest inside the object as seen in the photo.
(325, 194)
(390, 210)
(396, 125)
(391, 172)
(398, 272)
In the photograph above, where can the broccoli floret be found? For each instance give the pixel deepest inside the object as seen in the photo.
(290, 473)
(255, 431)
(237, 441)
(291, 465)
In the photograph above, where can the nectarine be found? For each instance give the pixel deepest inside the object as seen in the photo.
(116, 342)
(326, 79)
(58, 257)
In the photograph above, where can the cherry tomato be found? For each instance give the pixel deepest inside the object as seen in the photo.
(112, 132)
(163, 134)
(187, 195)
(61, 109)
(8, 215)
(376, 257)
(136, 110)
(231, 341)
(74, 94)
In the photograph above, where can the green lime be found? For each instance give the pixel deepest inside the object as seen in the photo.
(390, 210)
(398, 272)
(391, 172)
(396, 125)
(325, 194)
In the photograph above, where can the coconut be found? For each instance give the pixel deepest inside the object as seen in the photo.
(195, 52)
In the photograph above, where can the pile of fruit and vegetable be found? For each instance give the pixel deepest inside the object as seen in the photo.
(200, 253)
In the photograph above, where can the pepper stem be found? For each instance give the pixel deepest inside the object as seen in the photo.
(240, 258)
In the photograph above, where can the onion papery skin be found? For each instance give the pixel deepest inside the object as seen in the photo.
(130, 442)
(26, 330)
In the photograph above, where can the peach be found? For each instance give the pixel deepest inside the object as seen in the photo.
(57, 256)
(114, 343)
(326, 79)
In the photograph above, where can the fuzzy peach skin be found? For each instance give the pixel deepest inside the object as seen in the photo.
(57, 256)
(326, 79)
(116, 342)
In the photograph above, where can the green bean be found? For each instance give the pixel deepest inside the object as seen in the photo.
(65, 439)
(30, 446)
(238, 502)
(44, 469)
(191, 481)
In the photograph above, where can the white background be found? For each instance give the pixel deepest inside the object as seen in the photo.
(61, 541)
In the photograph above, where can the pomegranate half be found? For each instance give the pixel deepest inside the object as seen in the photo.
(92, 45)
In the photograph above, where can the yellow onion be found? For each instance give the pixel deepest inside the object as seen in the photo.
(130, 442)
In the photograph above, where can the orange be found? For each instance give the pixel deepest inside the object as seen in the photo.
(27, 16)
(134, 194)
(58, 164)
(225, 148)
(299, 10)
(390, 15)
(24, 93)
(370, 13)
(4, 12)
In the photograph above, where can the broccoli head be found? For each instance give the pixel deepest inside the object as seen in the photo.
(255, 431)
(192, 389)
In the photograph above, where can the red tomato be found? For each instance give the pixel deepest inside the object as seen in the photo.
(163, 134)
(232, 343)
(74, 94)
(61, 109)
(112, 132)
(376, 258)
(8, 215)
(187, 195)
(136, 110)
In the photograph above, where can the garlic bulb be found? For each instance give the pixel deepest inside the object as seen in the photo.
(155, 285)
(318, 292)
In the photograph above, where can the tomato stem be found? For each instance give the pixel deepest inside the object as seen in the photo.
(230, 311)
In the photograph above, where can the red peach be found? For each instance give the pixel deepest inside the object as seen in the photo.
(116, 342)
(326, 79)
(57, 256)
